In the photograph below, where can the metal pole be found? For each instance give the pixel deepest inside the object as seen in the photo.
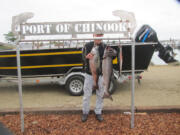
(132, 83)
(20, 86)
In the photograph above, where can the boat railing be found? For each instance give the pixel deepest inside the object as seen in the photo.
(80, 42)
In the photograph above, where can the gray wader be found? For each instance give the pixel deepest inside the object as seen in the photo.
(88, 84)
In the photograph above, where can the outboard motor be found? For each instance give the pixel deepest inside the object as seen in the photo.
(147, 34)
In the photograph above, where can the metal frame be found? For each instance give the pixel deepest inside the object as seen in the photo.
(126, 43)
(20, 85)
(35, 29)
(73, 28)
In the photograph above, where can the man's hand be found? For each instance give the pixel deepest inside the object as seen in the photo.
(110, 52)
(89, 56)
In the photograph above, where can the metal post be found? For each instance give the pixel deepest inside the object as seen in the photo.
(132, 83)
(20, 86)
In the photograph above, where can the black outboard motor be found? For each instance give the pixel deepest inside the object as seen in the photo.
(147, 34)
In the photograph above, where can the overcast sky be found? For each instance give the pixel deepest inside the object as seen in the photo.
(162, 15)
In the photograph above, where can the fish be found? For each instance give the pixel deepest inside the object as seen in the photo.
(94, 65)
(107, 70)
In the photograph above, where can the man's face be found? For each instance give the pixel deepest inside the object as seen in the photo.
(98, 41)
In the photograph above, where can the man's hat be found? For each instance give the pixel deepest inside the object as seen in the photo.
(98, 32)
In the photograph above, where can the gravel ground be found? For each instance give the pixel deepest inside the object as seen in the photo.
(113, 124)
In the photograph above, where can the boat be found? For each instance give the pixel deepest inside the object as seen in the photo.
(56, 62)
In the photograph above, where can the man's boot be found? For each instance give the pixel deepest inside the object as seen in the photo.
(99, 117)
(84, 117)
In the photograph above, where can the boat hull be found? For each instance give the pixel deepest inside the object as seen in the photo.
(52, 62)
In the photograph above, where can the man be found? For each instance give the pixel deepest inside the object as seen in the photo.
(88, 83)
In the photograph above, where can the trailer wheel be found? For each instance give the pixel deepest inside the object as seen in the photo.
(112, 86)
(75, 85)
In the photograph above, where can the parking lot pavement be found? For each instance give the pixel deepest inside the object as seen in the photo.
(160, 86)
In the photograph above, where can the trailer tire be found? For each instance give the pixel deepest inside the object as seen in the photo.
(75, 85)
